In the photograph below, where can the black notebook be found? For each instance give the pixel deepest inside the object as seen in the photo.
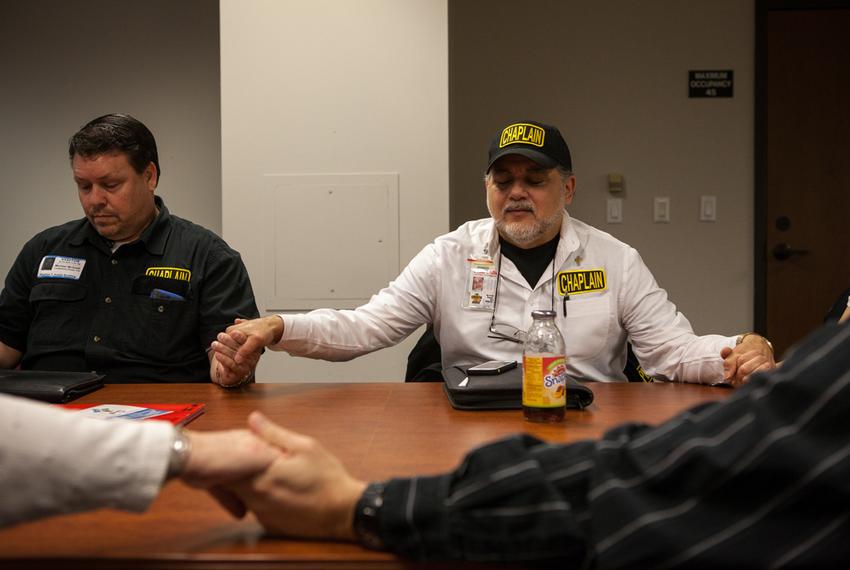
(53, 387)
(500, 391)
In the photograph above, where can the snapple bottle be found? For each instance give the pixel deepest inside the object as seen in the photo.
(544, 370)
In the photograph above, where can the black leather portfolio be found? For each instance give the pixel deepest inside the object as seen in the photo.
(500, 391)
(53, 387)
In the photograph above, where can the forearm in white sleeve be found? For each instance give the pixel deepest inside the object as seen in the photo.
(388, 318)
(662, 338)
(53, 461)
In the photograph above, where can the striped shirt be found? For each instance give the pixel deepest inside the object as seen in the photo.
(761, 479)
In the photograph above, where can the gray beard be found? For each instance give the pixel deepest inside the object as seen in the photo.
(521, 234)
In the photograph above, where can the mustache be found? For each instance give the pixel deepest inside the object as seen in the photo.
(519, 206)
(99, 212)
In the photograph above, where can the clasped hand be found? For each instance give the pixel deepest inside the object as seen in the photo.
(290, 482)
(236, 351)
(751, 355)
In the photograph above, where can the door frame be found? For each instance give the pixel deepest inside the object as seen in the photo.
(763, 7)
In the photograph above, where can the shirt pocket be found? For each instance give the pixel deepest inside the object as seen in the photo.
(166, 289)
(58, 313)
(60, 292)
(162, 329)
(587, 326)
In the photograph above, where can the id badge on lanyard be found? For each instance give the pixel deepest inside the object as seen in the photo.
(481, 282)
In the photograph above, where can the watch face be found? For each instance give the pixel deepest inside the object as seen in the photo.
(367, 516)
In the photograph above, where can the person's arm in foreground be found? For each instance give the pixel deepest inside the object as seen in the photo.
(53, 461)
(757, 480)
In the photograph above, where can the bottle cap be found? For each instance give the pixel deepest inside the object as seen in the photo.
(541, 314)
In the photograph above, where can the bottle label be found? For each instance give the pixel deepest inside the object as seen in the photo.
(544, 381)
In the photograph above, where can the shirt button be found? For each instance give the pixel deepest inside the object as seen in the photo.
(108, 300)
(114, 262)
(96, 338)
(160, 309)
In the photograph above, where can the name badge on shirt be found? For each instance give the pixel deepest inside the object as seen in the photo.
(480, 292)
(60, 267)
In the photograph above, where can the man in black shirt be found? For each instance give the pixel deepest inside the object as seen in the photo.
(129, 291)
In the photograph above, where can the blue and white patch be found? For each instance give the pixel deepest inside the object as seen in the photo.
(60, 267)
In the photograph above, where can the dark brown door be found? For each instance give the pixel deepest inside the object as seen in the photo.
(807, 173)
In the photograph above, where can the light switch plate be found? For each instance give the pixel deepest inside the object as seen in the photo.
(614, 211)
(708, 208)
(661, 209)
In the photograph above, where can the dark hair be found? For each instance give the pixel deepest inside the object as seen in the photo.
(117, 132)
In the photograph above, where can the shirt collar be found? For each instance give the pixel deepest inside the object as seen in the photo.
(156, 235)
(571, 243)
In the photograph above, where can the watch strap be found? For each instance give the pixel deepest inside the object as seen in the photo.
(179, 454)
(741, 338)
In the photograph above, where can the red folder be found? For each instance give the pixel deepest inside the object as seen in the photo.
(178, 414)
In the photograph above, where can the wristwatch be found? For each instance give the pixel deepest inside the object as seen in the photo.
(741, 338)
(367, 516)
(179, 456)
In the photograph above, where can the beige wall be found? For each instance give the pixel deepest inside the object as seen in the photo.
(330, 87)
(63, 63)
(613, 75)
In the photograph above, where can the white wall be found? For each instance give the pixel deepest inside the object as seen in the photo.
(613, 75)
(333, 86)
(64, 63)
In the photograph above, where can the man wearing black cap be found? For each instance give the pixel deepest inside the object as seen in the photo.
(478, 285)
(130, 291)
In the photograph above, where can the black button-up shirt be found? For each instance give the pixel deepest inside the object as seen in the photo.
(144, 313)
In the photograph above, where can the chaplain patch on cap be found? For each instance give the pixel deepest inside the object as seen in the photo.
(540, 142)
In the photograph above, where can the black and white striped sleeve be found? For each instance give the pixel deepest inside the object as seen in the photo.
(759, 480)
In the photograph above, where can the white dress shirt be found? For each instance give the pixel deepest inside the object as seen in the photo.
(53, 461)
(433, 288)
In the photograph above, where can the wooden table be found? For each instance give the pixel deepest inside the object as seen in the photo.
(379, 430)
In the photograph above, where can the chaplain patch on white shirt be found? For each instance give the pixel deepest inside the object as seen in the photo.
(60, 267)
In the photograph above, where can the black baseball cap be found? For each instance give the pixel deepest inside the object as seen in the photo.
(540, 142)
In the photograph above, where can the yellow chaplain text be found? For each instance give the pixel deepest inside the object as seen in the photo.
(169, 273)
(522, 133)
(579, 281)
